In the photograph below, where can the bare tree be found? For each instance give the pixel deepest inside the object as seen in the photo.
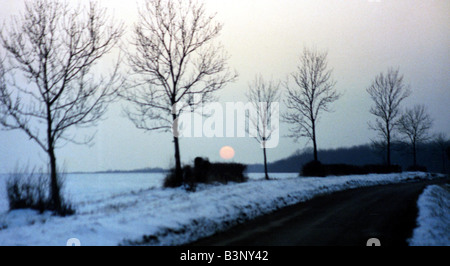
(263, 96)
(387, 92)
(312, 93)
(176, 65)
(414, 124)
(49, 87)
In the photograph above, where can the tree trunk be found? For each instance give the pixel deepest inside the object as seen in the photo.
(388, 148)
(314, 142)
(54, 184)
(178, 171)
(315, 151)
(414, 155)
(265, 164)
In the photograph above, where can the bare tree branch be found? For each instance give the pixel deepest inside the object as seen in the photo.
(313, 93)
(263, 96)
(414, 124)
(175, 64)
(387, 92)
(54, 48)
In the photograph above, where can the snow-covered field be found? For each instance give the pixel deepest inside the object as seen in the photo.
(114, 209)
(434, 217)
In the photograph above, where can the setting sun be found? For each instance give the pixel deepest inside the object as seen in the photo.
(226, 152)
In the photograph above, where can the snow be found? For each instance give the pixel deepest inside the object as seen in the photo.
(124, 209)
(434, 217)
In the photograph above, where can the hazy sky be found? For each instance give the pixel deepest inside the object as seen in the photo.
(363, 38)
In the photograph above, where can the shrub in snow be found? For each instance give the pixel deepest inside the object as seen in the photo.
(205, 172)
(27, 191)
(171, 181)
(226, 172)
(30, 190)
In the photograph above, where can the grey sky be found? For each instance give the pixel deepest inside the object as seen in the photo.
(363, 38)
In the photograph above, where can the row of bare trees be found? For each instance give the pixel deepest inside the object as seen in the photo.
(310, 93)
(48, 82)
(313, 91)
(413, 125)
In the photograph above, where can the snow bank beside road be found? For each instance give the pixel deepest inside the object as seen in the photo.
(158, 216)
(434, 217)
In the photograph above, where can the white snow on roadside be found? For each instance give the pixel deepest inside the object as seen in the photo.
(434, 217)
(173, 216)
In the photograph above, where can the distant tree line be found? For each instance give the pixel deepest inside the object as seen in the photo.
(434, 155)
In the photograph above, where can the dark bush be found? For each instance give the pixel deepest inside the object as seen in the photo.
(27, 191)
(170, 179)
(315, 168)
(202, 167)
(31, 191)
(382, 169)
(448, 152)
(417, 168)
(226, 172)
(205, 172)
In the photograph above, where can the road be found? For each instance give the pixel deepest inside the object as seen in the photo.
(346, 218)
